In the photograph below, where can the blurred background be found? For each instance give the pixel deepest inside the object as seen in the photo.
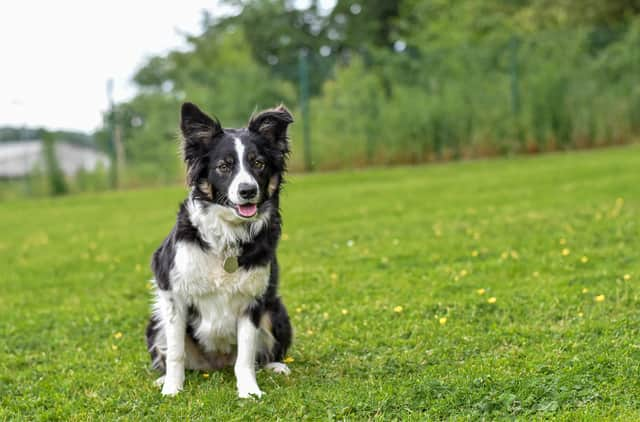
(371, 83)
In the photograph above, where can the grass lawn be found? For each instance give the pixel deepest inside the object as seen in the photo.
(469, 290)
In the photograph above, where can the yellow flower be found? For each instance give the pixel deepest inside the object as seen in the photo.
(325, 315)
(205, 375)
(443, 320)
(288, 359)
(515, 255)
(565, 252)
(599, 298)
(492, 300)
(584, 259)
(114, 347)
(334, 276)
(585, 290)
(463, 273)
(627, 277)
(309, 332)
(580, 314)
(397, 309)
(536, 274)
(344, 312)
(117, 335)
(285, 236)
(504, 255)
(480, 291)
(474, 253)
(298, 309)
(563, 241)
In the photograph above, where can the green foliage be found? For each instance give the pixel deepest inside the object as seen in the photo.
(91, 181)
(402, 81)
(368, 280)
(337, 118)
(149, 125)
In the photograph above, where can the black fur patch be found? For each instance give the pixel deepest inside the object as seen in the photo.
(193, 315)
(261, 250)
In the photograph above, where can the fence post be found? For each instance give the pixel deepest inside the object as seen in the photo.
(303, 73)
(113, 173)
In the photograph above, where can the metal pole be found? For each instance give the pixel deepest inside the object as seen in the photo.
(303, 71)
(514, 45)
(515, 86)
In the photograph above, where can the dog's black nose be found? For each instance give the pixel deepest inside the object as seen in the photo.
(247, 191)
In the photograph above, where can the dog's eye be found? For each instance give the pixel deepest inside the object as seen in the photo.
(258, 164)
(223, 168)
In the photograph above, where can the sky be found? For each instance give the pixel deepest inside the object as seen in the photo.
(56, 56)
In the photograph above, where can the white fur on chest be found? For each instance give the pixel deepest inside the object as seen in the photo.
(220, 298)
(198, 272)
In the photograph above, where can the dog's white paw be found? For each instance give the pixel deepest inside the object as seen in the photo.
(245, 392)
(171, 387)
(247, 385)
(278, 368)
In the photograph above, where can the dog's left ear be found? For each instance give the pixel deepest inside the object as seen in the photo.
(272, 124)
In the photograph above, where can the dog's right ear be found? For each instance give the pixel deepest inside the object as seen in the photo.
(198, 131)
(196, 126)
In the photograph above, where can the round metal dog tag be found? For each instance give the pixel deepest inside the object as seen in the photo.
(231, 264)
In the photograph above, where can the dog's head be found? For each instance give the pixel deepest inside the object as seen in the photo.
(236, 168)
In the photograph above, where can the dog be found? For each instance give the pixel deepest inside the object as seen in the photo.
(216, 300)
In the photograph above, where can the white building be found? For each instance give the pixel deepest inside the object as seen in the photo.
(19, 158)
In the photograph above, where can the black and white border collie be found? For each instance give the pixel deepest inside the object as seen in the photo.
(216, 273)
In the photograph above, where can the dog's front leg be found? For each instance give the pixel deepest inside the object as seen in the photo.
(175, 326)
(245, 367)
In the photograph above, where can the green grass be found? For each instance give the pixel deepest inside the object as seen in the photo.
(357, 246)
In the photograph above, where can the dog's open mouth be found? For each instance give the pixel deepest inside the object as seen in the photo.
(247, 210)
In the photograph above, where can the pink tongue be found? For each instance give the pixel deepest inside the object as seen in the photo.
(247, 210)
